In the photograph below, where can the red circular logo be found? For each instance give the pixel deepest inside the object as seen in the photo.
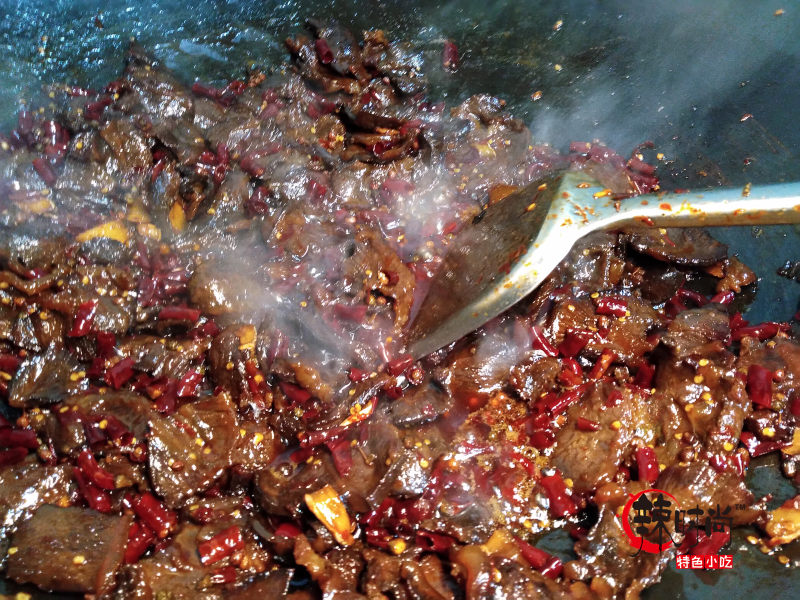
(636, 540)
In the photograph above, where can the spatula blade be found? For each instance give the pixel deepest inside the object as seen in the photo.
(492, 263)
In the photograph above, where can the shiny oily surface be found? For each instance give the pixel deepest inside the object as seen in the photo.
(611, 71)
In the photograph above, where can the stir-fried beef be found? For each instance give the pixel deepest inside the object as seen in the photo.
(27, 486)
(203, 298)
(69, 549)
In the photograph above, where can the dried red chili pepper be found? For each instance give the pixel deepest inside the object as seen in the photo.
(450, 55)
(94, 472)
(258, 203)
(540, 342)
(222, 575)
(84, 317)
(221, 545)
(561, 502)
(179, 313)
(187, 386)
(644, 376)
(695, 297)
(759, 385)
(611, 305)
(206, 90)
(154, 514)
(323, 51)
(120, 373)
(544, 562)
(288, 530)
(396, 366)
(378, 537)
(757, 448)
(584, 424)
(140, 538)
(794, 405)
(45, 171)
(342, 456)
(674, 306)
(18, 438)
(541, 439)
(647, 464)
(557, 404)
(105, 343)
(208, 158)
(430, 541)
(249, 165)
(573, 343)
(9, 363)
(295, 393)
(736, 321)
(763, 331)
(599, 369)
(697, 543)
(570, 379)
(223, 154)
(97, 498)
(12, 456)
(723, 297)
(315, 189)
(355, 375)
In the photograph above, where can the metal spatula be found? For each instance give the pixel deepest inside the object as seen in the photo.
(504, 255)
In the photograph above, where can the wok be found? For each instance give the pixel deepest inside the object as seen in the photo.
(713, 85)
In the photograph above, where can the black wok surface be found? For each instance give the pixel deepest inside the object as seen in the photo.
(683, 74)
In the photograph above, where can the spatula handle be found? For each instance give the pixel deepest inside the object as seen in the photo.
(772, 204)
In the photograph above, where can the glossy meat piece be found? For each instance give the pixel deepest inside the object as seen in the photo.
(86, 185)
(274, 585)
(218, 290)
(154, 90)
(181, 136)
(132, 409)
(175, 572)
(699, 484)
(477, 371)
(84, 550)
(337, 573)
(191, 449)
(129, 146)
(45, 379)
(26, 486)
(698, 331)
(381, 271)
(161, 359)
(626, 336)
(419, 406)
(780, 354)
(534, 376)
(736, 276)
(605, 557)
(595, 261)
(692, 246)
(591, 458)
(515, 580)
(345, 53)
(305, 54)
